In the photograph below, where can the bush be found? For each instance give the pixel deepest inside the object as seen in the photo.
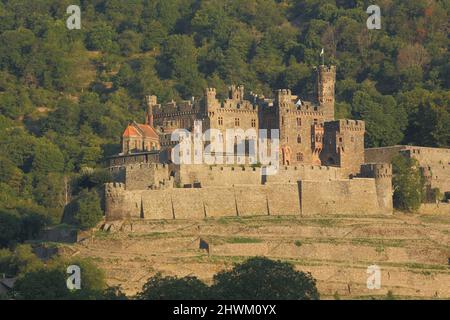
(173, 288)
(408, 184)
(264, 279)
(87, 210)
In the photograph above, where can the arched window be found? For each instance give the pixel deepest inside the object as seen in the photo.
(299, 139)
(220, 120)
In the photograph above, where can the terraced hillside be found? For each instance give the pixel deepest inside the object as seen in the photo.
(412, 251)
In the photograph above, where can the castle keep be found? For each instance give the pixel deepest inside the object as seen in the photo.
(322, 169)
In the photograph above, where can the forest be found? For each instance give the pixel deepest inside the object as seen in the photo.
(66, 95)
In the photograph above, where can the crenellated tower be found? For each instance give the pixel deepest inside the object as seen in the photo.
(211, 102)
(326, 81)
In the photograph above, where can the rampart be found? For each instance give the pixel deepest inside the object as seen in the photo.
(302, 198)
(435, 162)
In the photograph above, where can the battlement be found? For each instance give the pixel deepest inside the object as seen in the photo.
(330, 69)
(151, 100)
(174, 109)
(376, 170)
(346, 125)
(145, 166)
(284, 96)
(111, 186)
(284, 92)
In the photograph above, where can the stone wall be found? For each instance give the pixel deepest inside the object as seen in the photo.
(218, 175)
(143, 176)
(292, 174)
(435, 162)
(355, 196)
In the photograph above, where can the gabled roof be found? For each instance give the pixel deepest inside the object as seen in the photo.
(131, 131)
(148, 131)
(140, 130)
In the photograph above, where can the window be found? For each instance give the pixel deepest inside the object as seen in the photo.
(352, 139)
(299, 122)
(340, 139)
(300, 157)
(237, 122)
(299, 139)
(316, 121)
(220, 120)
(253, 123)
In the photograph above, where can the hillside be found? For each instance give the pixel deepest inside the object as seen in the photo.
(412, 252)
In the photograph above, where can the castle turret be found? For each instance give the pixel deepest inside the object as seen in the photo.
(115, 202)
(325, 90)
(343, 145)
(283, 96)
(151, 102)
(236, 93)
(211, 102)
(382, 173)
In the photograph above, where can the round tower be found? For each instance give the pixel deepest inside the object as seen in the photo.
(383, 180)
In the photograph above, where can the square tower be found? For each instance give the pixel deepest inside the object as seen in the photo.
(326, 81)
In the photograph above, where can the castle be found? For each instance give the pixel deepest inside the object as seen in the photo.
(322, 167)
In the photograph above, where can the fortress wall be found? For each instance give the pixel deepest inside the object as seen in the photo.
(292, 174)
(355, 196)
(220, 202)
(251, 200)
(436, 161)
(157, 204)
(188, 203)
(144, 176)
(283, 199)
(214, 176)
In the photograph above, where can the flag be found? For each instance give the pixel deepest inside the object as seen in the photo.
(322, 52)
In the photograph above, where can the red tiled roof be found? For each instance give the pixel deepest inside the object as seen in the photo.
(148, 131)
(140, 130)
(131, 131)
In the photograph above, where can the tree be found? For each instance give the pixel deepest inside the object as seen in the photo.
(101, 37)
(19, 261)
(263, 279)
(10, 228)
(49, 282)
(408, 183)
(173, 288)
(87, 210)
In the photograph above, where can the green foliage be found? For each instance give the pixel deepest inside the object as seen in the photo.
(49, 282)
(87, 210)
(255, 279)
(19, 261)
(408, 184)
(66, 95)
(172, 288)
(263, 279)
